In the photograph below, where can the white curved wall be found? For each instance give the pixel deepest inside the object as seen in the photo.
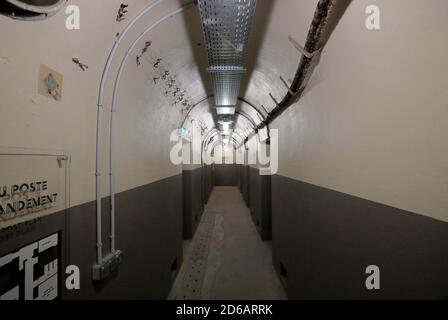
(145, 116)
(372, 122)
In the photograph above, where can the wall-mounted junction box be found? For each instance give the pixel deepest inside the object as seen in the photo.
(109, 265)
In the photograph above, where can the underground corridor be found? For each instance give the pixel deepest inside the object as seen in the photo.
(220, 150)
(226, 258)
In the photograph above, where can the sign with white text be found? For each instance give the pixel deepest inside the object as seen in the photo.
(31, 272)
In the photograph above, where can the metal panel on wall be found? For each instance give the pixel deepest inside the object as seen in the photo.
(33, 183)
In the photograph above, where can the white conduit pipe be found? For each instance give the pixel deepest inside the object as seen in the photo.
(100, 124)
(208, 136)
(214, 145)
(114, 109)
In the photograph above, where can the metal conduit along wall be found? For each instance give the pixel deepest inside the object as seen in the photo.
(147, 194)
(112, 127)
(101, 268)
(326, 17)
(259, 186)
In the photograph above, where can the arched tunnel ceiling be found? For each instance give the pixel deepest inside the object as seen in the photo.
(180, 46)
(178, 43)
(247, 116)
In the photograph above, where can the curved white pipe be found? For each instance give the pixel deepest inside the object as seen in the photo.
(100, 123)
(114, 109)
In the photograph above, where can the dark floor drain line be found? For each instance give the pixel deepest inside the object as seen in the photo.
(230, 261)
(195, 267)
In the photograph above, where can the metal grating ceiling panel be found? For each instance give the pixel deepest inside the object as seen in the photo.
(226, 26)
(226, 86)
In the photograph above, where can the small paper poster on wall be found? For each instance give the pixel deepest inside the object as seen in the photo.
(50, 83)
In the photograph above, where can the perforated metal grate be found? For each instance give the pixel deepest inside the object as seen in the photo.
(194, 268)
(226, 25)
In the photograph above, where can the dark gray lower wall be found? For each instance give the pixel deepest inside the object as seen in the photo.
(209, 181)
(226, 174)
(238, 169)
(260, 204)
(244, 183)
(192, 201)
(15, 237)
(323, 241)
(149, 232)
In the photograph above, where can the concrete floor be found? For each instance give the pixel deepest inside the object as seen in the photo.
(226, 258)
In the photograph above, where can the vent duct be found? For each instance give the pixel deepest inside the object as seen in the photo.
(226, 27)
(30, 9)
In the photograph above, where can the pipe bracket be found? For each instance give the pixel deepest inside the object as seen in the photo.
(273, 99)
(302, 50)
(288, 87)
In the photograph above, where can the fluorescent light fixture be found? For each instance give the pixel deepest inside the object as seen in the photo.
(225, 126)
(226, 132)
(225, 110)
